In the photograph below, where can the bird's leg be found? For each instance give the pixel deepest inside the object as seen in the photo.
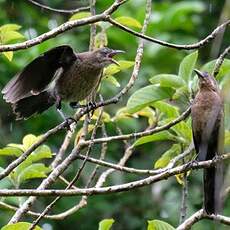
(75, 105)
(68, 120)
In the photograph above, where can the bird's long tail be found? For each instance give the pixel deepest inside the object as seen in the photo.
(212, 189)
(35, 104)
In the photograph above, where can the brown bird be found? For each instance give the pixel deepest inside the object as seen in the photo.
(57, 75)
(208, 134)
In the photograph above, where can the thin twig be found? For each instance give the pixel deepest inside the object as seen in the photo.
(196, 45)
(62, 11)
(220, 61)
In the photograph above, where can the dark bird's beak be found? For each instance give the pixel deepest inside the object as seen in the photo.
(113, 53)
(199, 73)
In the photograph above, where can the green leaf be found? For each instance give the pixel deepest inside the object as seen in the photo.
(159, 225)
(167, 80)
(42, 152)
(37, 170)
(224, 69)
(11, 151)
(8, 27)
(6, 37)
(187, 66)
(181, 92)
(19, 226)
(20, 146)
(29, 140)
(105, 224)
(164, 160)
(146, 96)
(113, 69)
(101, 39)
(8, 55)
(183, 131)
(227, 138)
(112, 80)
(166, 108)
(128, 21)
(161, 136)
(80, 15)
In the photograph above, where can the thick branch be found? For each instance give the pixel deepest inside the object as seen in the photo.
(62, 28)
(116, 188)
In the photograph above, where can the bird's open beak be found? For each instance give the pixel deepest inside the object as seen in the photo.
(113, 53)
(199, 73)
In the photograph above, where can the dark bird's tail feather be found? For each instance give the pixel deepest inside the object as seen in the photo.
(213, 180)
(35, 104)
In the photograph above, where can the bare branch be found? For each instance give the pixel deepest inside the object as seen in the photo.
(183, 116)
(220, 61)
(199, 215)
(62, 28)
(196, 45)
(73, 11)
(111, 189)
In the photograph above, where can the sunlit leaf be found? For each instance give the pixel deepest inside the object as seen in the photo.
(113, 69)
(8, 36)
(80, 15)
(161, 136)
(149, 113)
(8, 55)
(146, 96)
(187, 66)
(164, 160)
(128, 21)
(29, 140)
(112, 80)
(37, 170)
(8, 27)
(167, 80)
(101, 39)
(227, 138)
(105, 224)
(159, 225)
(180, 177)
(20, 146)
(10, 151)
(42, 152)
(166, 108)
(19, 226)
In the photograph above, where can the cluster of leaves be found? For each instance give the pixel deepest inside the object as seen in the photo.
(29, 169)
(105, 224)
(9, 33)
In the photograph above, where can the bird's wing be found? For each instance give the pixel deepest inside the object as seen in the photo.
(38, 74)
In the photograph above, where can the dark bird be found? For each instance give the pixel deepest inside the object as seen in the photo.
(60, 74)
(208, 135)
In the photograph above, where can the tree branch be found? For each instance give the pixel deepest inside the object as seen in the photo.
(62, 11)
(196, 45)
(115, 188)
(62, 28)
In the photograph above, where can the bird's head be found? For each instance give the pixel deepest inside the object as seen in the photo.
(206, 80)
(104, 56)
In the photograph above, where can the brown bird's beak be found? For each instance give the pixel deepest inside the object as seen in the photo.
(199, 73)
(113, 53)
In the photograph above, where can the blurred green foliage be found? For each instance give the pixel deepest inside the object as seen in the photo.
(180, 22)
